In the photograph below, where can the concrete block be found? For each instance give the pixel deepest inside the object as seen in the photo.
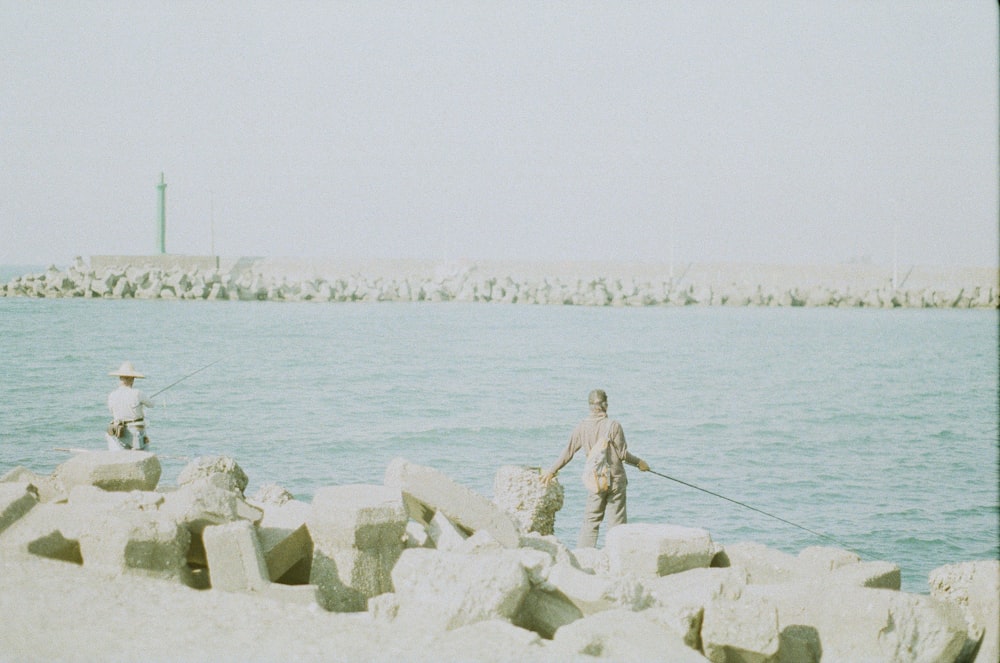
(545, 611)
(151, 544)
(743, 630)
(762, 565)
(222, 471)
(357, 533)
(357, 516)
(622, 636)
(824, 558)
(200, 504)
(110, 470)
(40, 522)
(416, 536)
(592, 559)
(877, 575)
(495, 639)
(862, 624)
(550, 545)
(451, 590)
(593, 593)
(428, 491)
(20, 475)
(649, 550)
(347, 577)
(271, 494)
(92, 497)
(975, 588)
(520, 492)
(285, 541)
(235, 560)
(444, 534)
(16, 499)
(480, 542)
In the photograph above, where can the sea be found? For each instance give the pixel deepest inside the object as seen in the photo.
(869, 430)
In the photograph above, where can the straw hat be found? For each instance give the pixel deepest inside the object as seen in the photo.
(127, 370)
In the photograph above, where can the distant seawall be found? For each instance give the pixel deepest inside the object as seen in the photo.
(562, 283)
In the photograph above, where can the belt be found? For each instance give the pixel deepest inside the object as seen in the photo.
(132, 421)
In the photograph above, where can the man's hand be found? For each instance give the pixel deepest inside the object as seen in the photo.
(643, 466)
(547, 478)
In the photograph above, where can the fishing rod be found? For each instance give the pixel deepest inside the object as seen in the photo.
(752, 508)
(173, 384)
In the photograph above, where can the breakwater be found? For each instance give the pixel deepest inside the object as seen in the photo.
(577, 283)
(422, 568)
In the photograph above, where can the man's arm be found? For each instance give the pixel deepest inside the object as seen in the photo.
(564, 458)
(618, 439)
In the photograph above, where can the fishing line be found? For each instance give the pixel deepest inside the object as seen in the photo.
(753, 508)
(172, 384)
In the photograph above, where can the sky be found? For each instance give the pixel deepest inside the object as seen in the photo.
(772, 132)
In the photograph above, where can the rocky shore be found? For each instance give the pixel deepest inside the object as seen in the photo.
(580, 284)
(99, 561)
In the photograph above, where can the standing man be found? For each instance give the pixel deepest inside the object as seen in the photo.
(588, 433)
(126, 404)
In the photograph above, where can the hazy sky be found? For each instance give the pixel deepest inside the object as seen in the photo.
(771, 131)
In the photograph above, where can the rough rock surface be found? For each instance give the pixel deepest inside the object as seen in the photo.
(519, 492)
(184, 574)
(975, 588)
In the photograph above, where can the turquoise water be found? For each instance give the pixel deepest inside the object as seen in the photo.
(875, 427)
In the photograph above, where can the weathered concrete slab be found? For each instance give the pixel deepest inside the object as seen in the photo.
(592, 559)
(416, 536)
(520, 492)
(545, 611)
(743, 630)
(200, 503)
(550, 545)
(20, 474)
(110, 470)
(452, 590)
(235, 560)
(434, 491)
(92, 497)
(493, 640)
(444, 534)
(825, 558)
(285, 541)
(975, 588)
(357, 533)
(346, 578)
(680, 598)
(861, 624)
(593, 593)
(622, 636)
(16, 499)
(649, 550)
(877, 575)
(761, 564)
(222, 471)
(151, 544)
(358, 516)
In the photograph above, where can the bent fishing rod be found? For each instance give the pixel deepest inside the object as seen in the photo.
(753, 508)
(173, 384)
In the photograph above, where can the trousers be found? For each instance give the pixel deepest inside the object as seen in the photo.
(134, 438)
(612, 504)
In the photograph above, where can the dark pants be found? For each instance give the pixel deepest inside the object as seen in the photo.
(612, 503)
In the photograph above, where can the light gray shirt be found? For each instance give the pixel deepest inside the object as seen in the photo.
(587, 433)
(127, 403)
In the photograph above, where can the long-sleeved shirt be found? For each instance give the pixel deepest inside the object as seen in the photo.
(586, 435)
(127, 403)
